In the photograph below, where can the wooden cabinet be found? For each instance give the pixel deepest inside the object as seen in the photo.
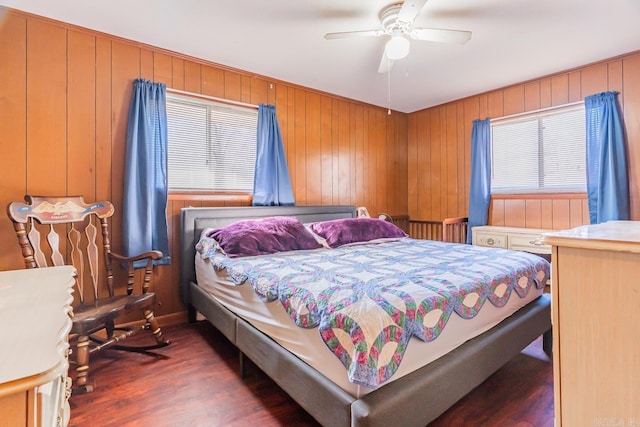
(596, 323)
(35, 308)
(518, 239)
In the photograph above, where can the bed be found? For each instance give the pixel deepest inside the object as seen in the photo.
(415, 398)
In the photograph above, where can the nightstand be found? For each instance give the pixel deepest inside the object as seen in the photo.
(514, 238)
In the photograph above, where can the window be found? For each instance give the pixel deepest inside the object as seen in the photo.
(212, 146)
(541, 151)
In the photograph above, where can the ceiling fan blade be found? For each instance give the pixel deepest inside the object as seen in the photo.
(348, 34)
(442, 36)
(410, 9)
(385, 63)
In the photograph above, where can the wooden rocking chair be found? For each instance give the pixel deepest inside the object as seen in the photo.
(71, 227)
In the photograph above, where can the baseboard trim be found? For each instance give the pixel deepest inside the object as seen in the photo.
(173, 318)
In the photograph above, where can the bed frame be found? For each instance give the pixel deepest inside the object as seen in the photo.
(413, 400)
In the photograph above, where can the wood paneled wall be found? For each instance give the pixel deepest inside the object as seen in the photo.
(64, 101)
(439, 146)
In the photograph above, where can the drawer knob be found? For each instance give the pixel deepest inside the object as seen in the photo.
(490, 241)
(537, 242)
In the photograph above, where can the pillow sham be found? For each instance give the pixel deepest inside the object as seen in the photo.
(263, 236)
(319, 239)
(339, 232)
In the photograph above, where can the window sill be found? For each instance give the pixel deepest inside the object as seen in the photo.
(243, 198)
(506, 196)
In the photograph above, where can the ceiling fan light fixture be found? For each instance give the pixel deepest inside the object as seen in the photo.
(397, 47)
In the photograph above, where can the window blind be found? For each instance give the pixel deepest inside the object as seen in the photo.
(211, 146)
(542, 151)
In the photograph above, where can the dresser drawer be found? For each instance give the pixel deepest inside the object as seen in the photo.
(492, 240)
(529, 243)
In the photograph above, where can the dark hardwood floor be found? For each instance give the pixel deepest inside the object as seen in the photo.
(195, 382)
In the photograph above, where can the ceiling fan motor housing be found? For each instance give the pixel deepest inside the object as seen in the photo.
(389, 20)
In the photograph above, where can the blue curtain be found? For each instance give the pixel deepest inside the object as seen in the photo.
(480, 185)
(607, 177)
(145, 180)
(271, 184)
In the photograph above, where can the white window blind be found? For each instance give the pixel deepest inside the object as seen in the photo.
(541, 151)
(211, 146)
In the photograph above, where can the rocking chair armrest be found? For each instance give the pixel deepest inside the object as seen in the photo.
(145, 255)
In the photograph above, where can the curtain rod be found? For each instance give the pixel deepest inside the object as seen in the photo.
(212, 98)
(541, 110)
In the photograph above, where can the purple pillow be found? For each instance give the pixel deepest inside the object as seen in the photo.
(340, 232)
(263, 236)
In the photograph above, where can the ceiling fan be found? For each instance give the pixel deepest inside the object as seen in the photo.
(396, 20)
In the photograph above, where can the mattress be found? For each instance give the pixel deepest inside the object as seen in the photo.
(271, 319)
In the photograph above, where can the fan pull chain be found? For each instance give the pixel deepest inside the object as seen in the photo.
(389, 87)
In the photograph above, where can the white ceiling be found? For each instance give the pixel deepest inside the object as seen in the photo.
(513, 40)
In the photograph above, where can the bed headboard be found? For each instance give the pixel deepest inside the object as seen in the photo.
(194, 220)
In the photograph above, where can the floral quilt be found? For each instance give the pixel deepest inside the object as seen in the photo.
(367, 301)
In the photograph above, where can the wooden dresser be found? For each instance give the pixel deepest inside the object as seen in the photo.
(596, 324)
(35, 307)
